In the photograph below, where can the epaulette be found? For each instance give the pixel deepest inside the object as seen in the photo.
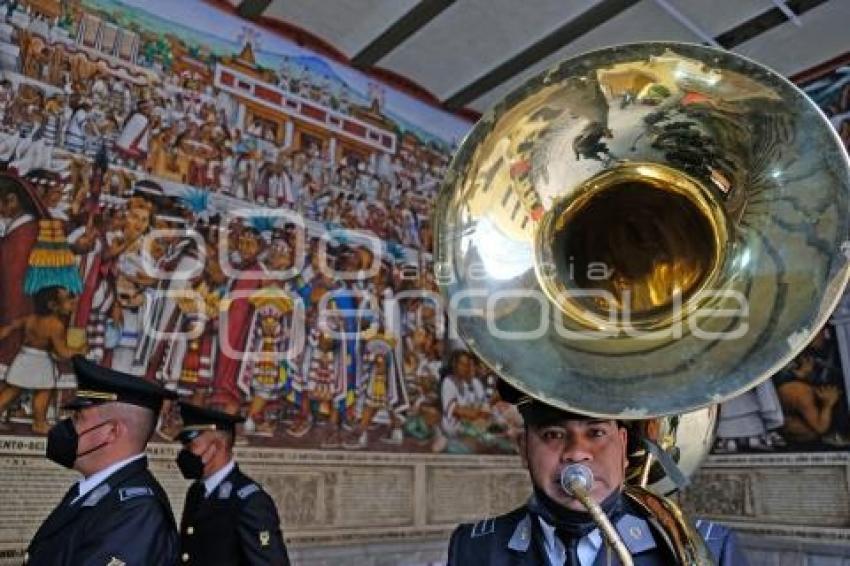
(126, 493)
(483, 527)
(635, 534)
(248, 490)
(705, 529)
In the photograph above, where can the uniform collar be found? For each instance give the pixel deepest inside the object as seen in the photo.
(521, 538)
(212, 482)
(552, 543)
(634, 531)
(91, 482)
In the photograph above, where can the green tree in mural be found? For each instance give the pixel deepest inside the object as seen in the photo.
(159, 51)
(66, 22)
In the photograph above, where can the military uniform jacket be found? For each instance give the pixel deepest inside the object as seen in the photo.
(237, 524)
(126, 520)
(517, 539)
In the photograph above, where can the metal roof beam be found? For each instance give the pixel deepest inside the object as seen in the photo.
(570, 31)
(252, 9)
(414, 20)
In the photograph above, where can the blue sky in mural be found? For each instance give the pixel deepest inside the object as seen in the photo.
(197, 22)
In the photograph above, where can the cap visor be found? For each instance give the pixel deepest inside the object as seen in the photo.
(187, 436)
(78, 403)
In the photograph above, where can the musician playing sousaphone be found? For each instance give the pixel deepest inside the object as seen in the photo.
(622, 288)
(555, 526)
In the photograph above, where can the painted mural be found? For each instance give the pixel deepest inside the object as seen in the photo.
(804, 407)
(240, 219)
(213, 207)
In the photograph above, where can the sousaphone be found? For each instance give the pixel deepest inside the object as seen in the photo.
(644, 231)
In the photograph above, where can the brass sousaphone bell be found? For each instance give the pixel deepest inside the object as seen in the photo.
(644, 231)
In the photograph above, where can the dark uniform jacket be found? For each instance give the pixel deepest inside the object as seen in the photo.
(237, 524)
(517, 539)
(126, 520)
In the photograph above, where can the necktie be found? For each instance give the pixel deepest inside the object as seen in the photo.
(570, 545)
(72, 495)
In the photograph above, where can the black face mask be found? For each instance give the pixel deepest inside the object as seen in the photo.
(191, 465)
(63, 441)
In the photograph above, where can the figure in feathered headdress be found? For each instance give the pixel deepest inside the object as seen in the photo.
(267, 368)
(34, 255)
(382, 396)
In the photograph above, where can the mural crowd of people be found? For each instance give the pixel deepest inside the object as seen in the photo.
(101, 157)
(168, 198)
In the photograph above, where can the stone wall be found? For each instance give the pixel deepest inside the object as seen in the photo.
(379, 509)
(330, 502)
(789, 509)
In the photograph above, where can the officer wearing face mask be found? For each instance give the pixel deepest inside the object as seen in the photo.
(116, 513)
(227, 518)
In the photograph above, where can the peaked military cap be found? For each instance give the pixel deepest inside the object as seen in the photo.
(97, 385)
(198, 419)
(534, 411)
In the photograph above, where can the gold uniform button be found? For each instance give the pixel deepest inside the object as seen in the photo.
(190, 530)
(185, 557)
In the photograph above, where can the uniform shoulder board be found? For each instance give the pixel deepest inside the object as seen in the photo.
(126, 493)
(706, 529)
(635, 534)
(248, 490)
(483, 528)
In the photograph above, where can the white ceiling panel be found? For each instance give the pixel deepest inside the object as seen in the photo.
(718, 16)
(789, 49)
(473, 36)
(348, 25)
(786, 48)
(643, 22)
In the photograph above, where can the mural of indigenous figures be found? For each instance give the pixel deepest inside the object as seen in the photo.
(197, 202)
(189, 363)
(20, 209)
(829, 87)
(805, 405)
(249, 223)
(813, 394)
(34, 367)
(325, 361)
(381, 392)
(422, 363)
(265, 374)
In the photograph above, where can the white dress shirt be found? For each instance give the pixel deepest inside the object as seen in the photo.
(212, 482)
(588, 546)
